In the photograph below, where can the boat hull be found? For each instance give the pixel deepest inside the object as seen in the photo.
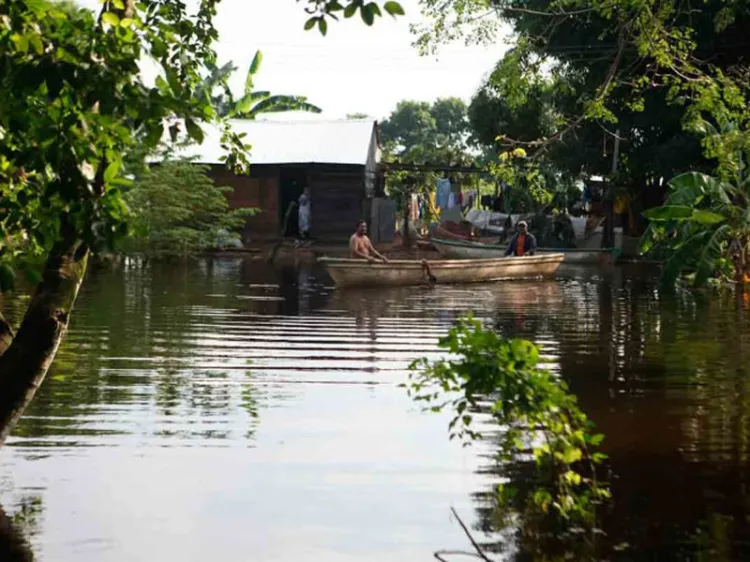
(585, 256)
(359, 273)
(442, 233)
(454, 249)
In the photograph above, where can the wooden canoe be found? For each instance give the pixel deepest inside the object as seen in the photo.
(360, 273)
(582, 256)
(445, 233)
(455, 249)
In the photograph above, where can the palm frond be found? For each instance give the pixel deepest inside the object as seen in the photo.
(683, 257)
(252, 71)
(281, 103)
(709, 255)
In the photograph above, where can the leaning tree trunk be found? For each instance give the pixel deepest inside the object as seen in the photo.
(24, 363)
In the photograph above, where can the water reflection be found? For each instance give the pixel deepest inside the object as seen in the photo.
(14, 530)
(258, 407)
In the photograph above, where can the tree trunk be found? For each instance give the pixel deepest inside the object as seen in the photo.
(24, 364)
(407, 219)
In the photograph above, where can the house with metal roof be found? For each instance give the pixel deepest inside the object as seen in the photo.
(337, 161)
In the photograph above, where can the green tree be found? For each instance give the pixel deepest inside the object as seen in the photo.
(704, 226)
(73, 105)
(252, 103)
(583, 73)
(429, 135)
(409, 126)
(179, 211)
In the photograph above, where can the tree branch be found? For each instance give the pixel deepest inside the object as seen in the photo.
(441, 553)
(6, 334)
(542, 144)
(474, 543)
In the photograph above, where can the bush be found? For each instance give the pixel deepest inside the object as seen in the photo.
(178, 211)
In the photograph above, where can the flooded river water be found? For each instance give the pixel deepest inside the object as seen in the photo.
(230, 411)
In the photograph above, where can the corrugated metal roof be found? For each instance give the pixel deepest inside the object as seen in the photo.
(292, 142)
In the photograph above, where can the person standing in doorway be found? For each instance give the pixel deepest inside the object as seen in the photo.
(304, 216)
(523, 243)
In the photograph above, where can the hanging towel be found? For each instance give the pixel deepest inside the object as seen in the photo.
(443, 192)
(451, 200)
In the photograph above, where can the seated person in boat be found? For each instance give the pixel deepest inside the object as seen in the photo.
(523, 243)
(361, 247)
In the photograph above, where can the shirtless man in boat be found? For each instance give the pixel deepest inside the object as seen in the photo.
(361, 247)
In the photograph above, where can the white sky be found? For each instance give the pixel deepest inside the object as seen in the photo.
(354, 69)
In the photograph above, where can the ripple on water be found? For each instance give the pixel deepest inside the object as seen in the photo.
(225, 409)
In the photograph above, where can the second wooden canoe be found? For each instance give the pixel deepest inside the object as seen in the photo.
(456, 249)
(360, 273)
(444, 232)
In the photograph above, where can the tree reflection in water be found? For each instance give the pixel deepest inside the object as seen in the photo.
(665, 378)
(17, 528)
(184, 356)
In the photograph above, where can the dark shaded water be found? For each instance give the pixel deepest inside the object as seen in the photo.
(230, 411)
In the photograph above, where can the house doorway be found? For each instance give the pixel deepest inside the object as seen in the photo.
(292, 182)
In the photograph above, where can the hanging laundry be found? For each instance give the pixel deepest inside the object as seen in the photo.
(432, 204)
(451, 200)
(414, 208)
(443, 192)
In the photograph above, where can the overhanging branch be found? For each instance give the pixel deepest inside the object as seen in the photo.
(6, 334)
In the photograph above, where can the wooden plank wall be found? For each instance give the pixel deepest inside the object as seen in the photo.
(337, 193)
(258, 190)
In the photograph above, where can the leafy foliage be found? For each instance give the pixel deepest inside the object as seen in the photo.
(252, 103)
(179, 211)
(424, 134)
(536, 412)
(581, 73)
(73, 105)
(703, 227)
(322, 10)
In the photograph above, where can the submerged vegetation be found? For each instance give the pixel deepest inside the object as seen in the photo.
(178, 211)
(539, 421)
(704, 227)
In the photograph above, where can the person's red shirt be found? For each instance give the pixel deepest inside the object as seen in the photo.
(520, 244)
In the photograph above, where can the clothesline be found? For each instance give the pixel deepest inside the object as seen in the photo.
(398, 167)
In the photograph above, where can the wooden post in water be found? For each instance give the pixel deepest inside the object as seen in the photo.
(608, 238)
(284, 226)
